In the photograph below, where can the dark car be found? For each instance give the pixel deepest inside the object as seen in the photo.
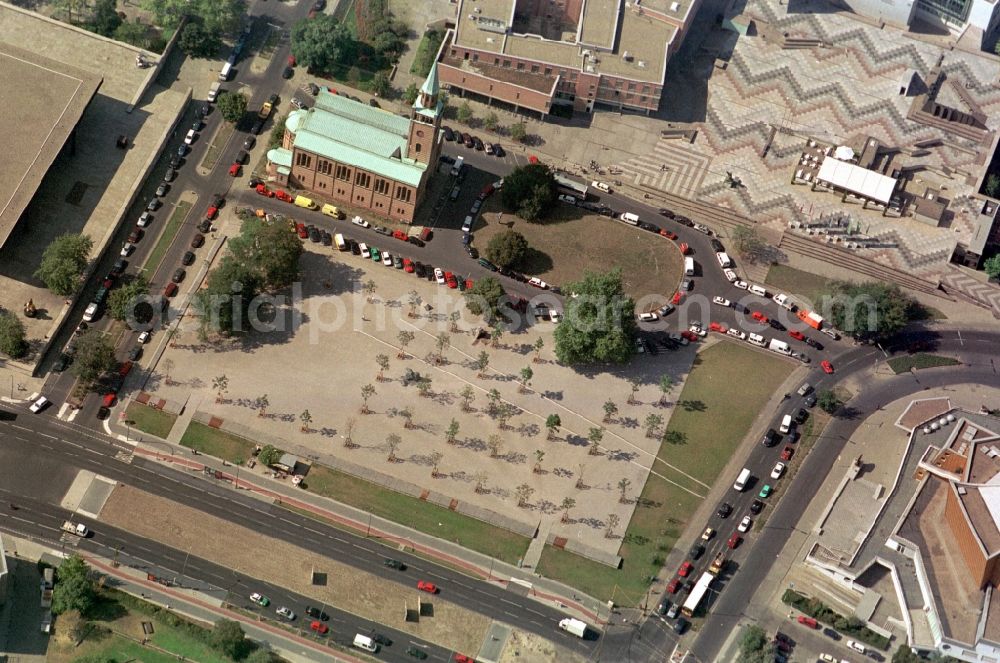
(355, 248)
(449, 135)
(776, 325)
(665, 212)
(724, 510)
(135, 353)
(249, 143)
(473, 252)
(205, 110)
(697, 550)
(415, 241)
(716, 245)
(170, 175)
(663, 606)
(478, 144)
(315, 235)
(770, 438)
(287, 73)
(680, 625)
(814, 343)
(119, 267)
(242, 157)
(801, 415)
(394, 564)
(257, 127)
(197, 125)
(175, 162)
(467, 140)
(327, 239)
(380, 639)
(497, 150)
(419, 269)
(373, 103)
(756, 507)
(178, 275)
(204, 226)
(466, 239)
(418, 654)
(187, 258)
(810, 400)
(830, 633)
(316, 613)
(197, 241)
(62, 363)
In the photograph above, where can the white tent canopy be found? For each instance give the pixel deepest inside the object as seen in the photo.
(860, 181)
(844, 153)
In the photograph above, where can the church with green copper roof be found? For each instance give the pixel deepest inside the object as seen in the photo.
(348, 152)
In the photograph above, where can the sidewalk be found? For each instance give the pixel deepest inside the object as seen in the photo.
(475, 564)
(190, 604)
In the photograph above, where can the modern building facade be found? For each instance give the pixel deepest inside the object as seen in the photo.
(346, 151)
(535, 54)
(955, 15)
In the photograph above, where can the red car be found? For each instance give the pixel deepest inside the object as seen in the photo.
(668, 234)
(264, 191)
(787, 453)
(717, 327)
(734, 541)
(283, 195)
(407, 265)
(428, 587)
(808, 621)
(462, 658)
(673, 586)
(759, 317)
(468, 284)
(319, 627)
(827, 366)
(109, 400)
(678, 296)
(685, 569)
(234, 170)
(685, 249)
(300, 228)
(690, 336)
(211, 212)
(797, 335)
(124, 369)
(399, 234)
(291, 60)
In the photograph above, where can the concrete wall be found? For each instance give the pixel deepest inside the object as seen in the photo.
(966, 541)
(893, 12)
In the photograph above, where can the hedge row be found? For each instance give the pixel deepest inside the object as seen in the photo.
(819, 611)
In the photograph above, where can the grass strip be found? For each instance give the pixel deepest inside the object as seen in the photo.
(215, 149)
(918, 361)
(422, 516)
(797, 282)
(150, 420)
(167, 238)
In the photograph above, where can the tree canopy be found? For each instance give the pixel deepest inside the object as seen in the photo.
(992, 266)
(12, 336)
(755, 646)
(232, 105)
(869, 312)
(484, 297)
(529, 191)
(321, 43)
(224, 303)
(268, 250)
(105, 19)
(599, 321)
(506, 248)
(121, 302)
(197, 41)
(219, 16)
(94, 355)
(74, 590)
(228, 637)
(63, 263)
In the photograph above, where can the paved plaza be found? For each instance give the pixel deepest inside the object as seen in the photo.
(321, 366)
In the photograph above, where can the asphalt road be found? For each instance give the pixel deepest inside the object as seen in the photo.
(37, 445)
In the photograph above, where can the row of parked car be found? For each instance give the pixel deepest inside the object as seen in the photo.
(472, 142)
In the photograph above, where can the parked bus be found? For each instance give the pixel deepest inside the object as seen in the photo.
(578, 190)
(697, 594)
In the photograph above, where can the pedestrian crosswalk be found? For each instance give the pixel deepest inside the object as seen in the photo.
(672, 166)
(67, 412)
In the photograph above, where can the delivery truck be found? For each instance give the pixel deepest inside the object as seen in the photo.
(810, 318)
(574, 626)
(779, 346)
(79, 529)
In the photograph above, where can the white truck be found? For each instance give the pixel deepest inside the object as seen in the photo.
(574, 626)
(784, 301)
(79, 529)
(779, 346)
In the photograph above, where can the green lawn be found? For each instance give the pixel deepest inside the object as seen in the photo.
(729, 384)
(422, 516)
(418, 514)
(167, 238)
(150, 420)
(797, 282)
(918, 361)
(218, 443)
(426, 50)
(215, 149)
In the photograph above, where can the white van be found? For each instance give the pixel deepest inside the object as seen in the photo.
(213, 92)
(602, 186)
(689, 266)
(364, 642)
(786, 424)
(723, 258)
(757, 290)
(757, 339)
(226, 72)
(338, 239)
(741, 480)
(364, 250)
(630, 218)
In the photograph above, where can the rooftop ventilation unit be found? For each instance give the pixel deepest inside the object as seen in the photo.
(491, 25)
(642, 64)
(675, 6)
(627, 57)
